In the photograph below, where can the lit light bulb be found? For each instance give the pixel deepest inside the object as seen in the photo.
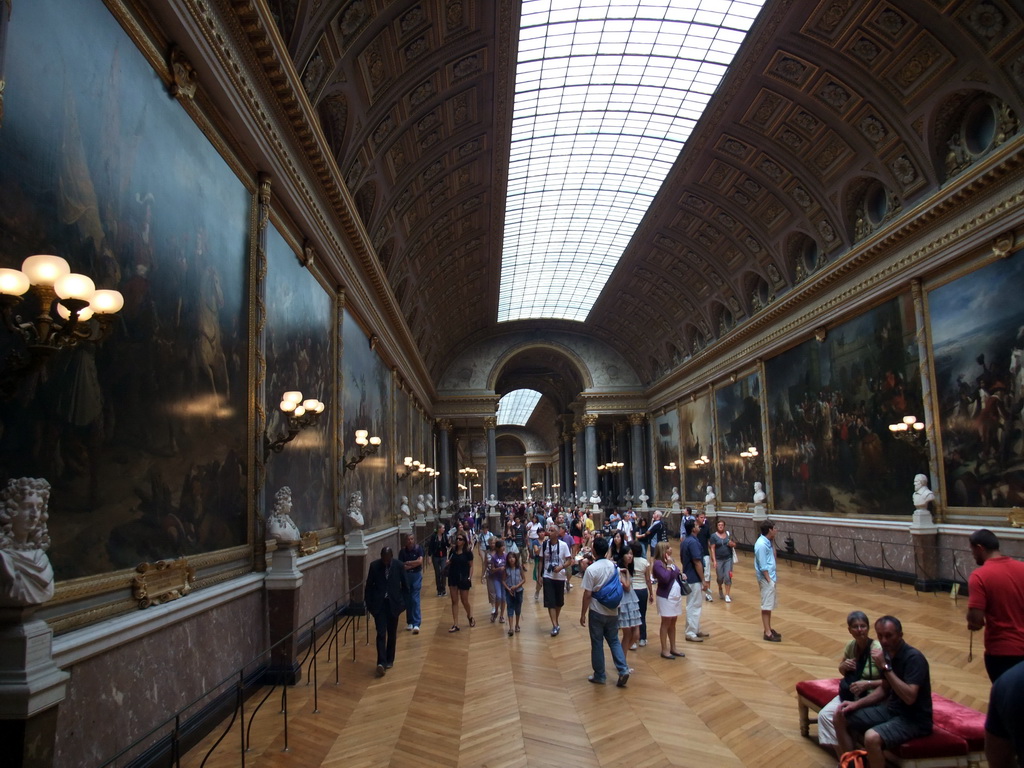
(45, 269)
(13, 282)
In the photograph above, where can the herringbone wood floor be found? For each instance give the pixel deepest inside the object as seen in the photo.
(480, 698)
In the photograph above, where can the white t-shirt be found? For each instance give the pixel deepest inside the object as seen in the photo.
(595, 577)
(554, 556)
(532, 529)
(627, 529)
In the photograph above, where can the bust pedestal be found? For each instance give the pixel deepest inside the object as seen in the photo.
(283, 582)
(355, 563)
(31, 688)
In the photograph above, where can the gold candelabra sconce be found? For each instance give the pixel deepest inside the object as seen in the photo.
(300, 414)
(610, 466)
(368, 446)
(751, 454)
(671, 467)
(416, 469)
(71, 311)
(909, 430)
(703, 461)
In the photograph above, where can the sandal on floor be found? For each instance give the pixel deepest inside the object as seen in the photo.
(501, 620)
(510, 633)
(472, 621)
(517, 629)
(455, 628)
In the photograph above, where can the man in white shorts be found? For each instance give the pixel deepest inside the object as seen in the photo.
(764, 563)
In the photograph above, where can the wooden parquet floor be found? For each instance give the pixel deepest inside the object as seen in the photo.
(480, 698)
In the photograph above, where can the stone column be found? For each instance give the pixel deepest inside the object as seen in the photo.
(491, 484)
(566, 448)
(444, 461)
(580, 479)
(932, 448)
(590, 440)
(31, 688)
(283, 582)
(620, 440)
(636, 453)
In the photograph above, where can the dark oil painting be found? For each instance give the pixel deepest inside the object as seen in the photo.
(696, 429)
(367, 405)
(977, 325)
(299, 346)
(142, 435)
(738, 409)
(830, 405)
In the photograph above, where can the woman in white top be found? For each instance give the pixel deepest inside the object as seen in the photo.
(641, 581)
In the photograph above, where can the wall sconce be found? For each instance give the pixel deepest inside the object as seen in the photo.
(300, 413)
(702, 461)
(670, 467)
(750, 453)
(611, 466)
(409, 467)
(909, 430)
(59, 326)
(367, 447)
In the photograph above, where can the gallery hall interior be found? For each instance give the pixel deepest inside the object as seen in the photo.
(288, 284)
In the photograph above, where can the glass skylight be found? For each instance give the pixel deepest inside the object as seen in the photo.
(606, 95)
(517, 406)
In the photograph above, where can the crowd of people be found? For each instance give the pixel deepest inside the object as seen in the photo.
(628, 564)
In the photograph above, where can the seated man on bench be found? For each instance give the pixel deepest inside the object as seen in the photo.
(898, 711)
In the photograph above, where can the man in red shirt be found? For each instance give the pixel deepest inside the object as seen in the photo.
(996, 602)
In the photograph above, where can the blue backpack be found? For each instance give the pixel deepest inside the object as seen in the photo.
(610, 595)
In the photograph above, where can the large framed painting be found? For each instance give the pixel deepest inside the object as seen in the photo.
(299, 353)
(830, 404)
(977, 334)
(738, 411)
(697, 444)
(510, 486)
(665, 434)
(141, 436)
(367, 405)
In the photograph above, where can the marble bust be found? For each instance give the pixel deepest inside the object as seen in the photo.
(280, 525)
(492, 502)
(922, 493)
(644, 498)
(709, 501)
(595, 498)
(430, 503)
(355, 509)
(421, 505)
(404, 507)
(759, 494)
(26, 576)
(444, 504)
(675, 498)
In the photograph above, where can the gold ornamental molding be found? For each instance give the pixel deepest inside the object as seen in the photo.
(589, 420)
(712, 364)
(490, 422)
(1016, 517)
(162, 581)
(183, 75)
(309, 543)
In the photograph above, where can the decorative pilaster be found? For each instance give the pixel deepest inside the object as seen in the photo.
(258, 372)
(636, 452)
(921, 338)
(491, 485)
(283, 582)
(444, 463)
(589, 421)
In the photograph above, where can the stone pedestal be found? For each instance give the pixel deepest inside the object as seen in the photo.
(420, 530)
(31, 687)
(283, 582)
(404, 529)
(598, 518)
(355, 561)
(494, 523)
(673, 520)
(925, 535)
(760, 513)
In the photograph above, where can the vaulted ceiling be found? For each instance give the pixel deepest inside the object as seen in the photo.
(834, 122)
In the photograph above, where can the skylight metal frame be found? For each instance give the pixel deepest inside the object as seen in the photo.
(606, 95)
(516, 407)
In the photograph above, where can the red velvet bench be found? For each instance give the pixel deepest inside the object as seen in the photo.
(957, 738)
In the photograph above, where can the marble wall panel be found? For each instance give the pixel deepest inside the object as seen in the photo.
(115, 697)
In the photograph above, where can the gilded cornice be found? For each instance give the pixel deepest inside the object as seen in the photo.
(242, 31)
(834, 293)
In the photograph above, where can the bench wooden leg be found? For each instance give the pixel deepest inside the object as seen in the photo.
(804, 719)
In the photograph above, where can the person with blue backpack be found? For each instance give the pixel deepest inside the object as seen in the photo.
(602, 593)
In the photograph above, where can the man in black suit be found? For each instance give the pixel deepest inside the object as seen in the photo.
(386, 589)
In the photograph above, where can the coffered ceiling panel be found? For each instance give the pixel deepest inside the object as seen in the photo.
(833, 122)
